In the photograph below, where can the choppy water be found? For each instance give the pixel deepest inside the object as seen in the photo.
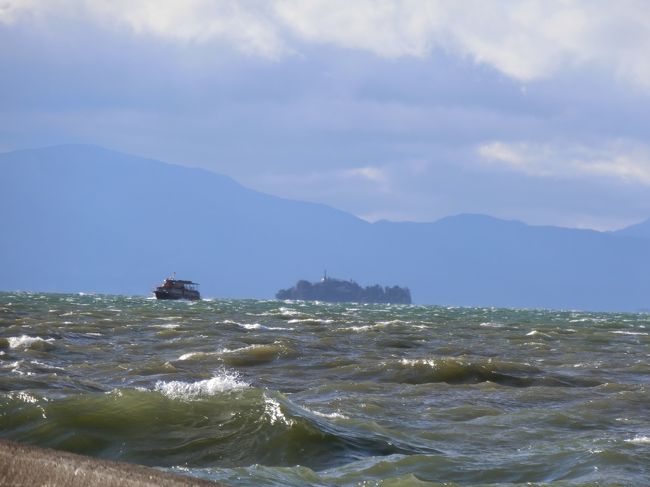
(289, 393)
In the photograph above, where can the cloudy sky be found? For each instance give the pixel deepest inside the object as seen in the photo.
(401, 110)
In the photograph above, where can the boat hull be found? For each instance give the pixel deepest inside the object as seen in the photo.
(177, 294)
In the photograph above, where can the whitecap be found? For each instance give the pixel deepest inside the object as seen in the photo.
(490, 324)
(639, 440)
(331, 415)
(537, 333)
(168, 326)
(364, 327)
(334, 415)
(289, 312)
(26, 397)
(416, 362)
(393, 322)
(358, 328)
(621, 332)
(223, 382)
(47, 366)
(252, 326)
(25, 341)
(187, 356)
(274, 413)
(258, 326)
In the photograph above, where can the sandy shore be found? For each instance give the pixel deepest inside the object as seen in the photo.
(25, 465)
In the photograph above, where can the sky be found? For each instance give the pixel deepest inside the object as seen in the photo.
(402, 110)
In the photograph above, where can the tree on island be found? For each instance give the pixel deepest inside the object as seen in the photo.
(340, 291)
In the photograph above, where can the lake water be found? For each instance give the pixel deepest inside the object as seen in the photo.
(290, 393)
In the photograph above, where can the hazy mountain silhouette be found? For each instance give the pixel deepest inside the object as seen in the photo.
(640, 230)
(81, 218)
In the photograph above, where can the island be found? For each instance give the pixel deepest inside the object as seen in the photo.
(339, 291)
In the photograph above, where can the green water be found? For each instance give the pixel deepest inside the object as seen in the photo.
(289, 393)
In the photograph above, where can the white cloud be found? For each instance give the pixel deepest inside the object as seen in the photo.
(245, 24)
(368, 173)
(249, 25)
(526, 40)
(621, 160)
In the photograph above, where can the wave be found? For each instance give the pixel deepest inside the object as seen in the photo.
(285, 313)
(222, 382)
(633, 333)
(257, 354)
(28, 342)
(258, 326)
(217, 422)
(639, 440)
(197, 355)
(456, 371)
(315, 321)
(491, 324)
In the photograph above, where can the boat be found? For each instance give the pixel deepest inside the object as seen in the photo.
(173, 288)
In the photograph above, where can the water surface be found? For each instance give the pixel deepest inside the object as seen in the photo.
(292, 393)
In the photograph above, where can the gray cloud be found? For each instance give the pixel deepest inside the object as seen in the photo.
(525, 40)
(408, 111)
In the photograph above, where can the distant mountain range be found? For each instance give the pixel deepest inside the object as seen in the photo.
(82, 218)
(640, 230)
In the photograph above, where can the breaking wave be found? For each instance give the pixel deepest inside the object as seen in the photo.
(222, 382)
(225, 422)
(29, 342)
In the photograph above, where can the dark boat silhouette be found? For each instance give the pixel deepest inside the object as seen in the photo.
(173, 288)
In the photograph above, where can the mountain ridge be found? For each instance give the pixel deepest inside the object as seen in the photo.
(89, 219)
(639, 230)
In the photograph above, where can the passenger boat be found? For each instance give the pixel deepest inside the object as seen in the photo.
(173, 288)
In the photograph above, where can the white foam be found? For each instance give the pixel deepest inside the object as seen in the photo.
(416, 362)
(24, 397)
(25, 341)
(13, 366)
(48, 366)
(393, 322)
(328, 415)
(273, 412)
(257, 326)
(357, 328)
(639, 440)
(168, 326)
(252, 326)
(537, 333)
(187, 356)
(247, 348)
(364, 327)
(223, 382)
(490, 324)
(621, 332)
(289, 312)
